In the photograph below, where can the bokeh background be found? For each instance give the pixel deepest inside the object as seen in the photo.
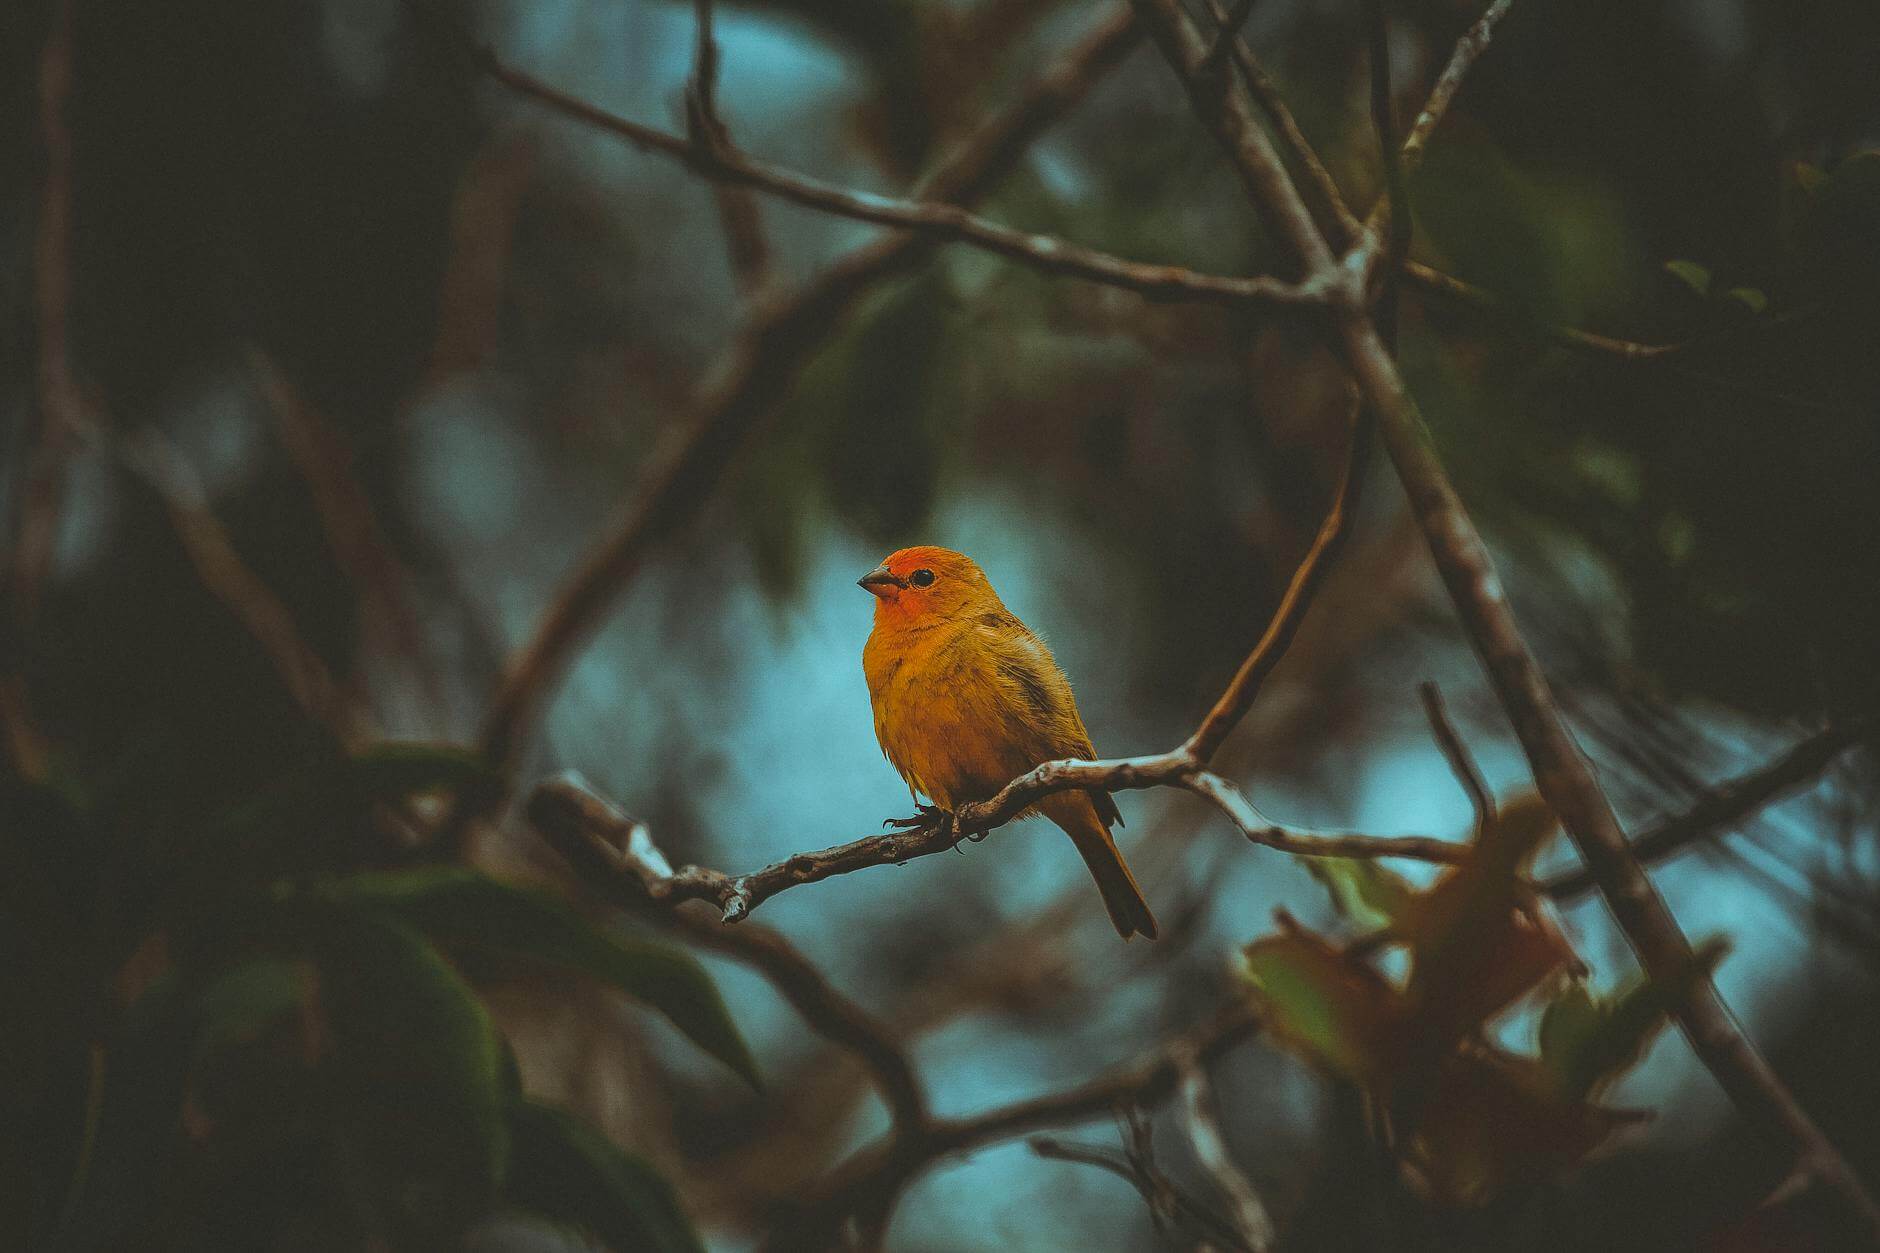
(309, 243)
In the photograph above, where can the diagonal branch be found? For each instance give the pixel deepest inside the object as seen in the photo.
(1561, 772)
(620, 870)
(1731, 802)
(1245, 686)
(874, 1176)
(1462, 59)
(946, 222)
(737, 208)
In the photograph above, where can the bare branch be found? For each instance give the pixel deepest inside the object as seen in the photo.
(358, 542)
(1461, 764)
(1434, 281)
(230, 579)
(1731, 802)
(1462, 59)
(1229, 33)
(39, 477)
(622, 872)
(737, 208)
(1169, 1206)
(877, 1174)
(1316, 183)
(1302, 843)
(564, 806)
(946, 222)
(1395, 203)
(1251, 1223)
(1245, 686)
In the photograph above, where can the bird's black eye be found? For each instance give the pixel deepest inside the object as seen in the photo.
(921, 578)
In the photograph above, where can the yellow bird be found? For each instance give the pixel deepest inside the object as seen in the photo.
(967, 699)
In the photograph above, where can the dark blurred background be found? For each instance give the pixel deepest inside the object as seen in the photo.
(364, 352)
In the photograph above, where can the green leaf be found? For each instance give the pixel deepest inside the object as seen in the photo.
(1586, 1042)
(1691, 274)
(1362, 889)
(567, 1171)
(463, 908)
(246, 998)
(1331, 1009)
(144, 1073)
(415, 1075)
(1751, 298)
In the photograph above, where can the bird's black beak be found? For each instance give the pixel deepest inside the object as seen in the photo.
(878, 580)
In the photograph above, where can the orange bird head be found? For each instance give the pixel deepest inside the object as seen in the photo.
(926, 583)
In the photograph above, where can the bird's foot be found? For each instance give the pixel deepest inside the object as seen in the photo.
(968, 837)
(929, 816)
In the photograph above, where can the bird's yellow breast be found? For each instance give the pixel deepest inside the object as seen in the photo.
(961, 708)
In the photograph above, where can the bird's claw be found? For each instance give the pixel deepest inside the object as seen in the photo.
(929, 816)
(968, 837)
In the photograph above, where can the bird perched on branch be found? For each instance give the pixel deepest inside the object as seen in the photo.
(967, 699)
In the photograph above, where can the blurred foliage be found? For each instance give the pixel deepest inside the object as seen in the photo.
(1471, 1120)
(299, 1061)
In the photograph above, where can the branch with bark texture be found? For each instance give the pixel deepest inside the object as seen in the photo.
(618, 869)
(565, 805)
(1732, 801)
(1562, 773)
(867, 1185)
(707, 154)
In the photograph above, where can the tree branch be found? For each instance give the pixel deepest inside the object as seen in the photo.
(564, 807)
(38, 487)
(1472, 44)
(1251, 1223)
(1434, 281)
(945, 222)
(737, 208)
(877, 1174)
(1461, 764)
(1562, 774)
(622, 872)
(1730, 802)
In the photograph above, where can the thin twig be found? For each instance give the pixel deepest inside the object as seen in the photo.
(935, 217)
(1169, 1206)
(1434, 281)
(1316, 182)
(737, 208)
(38, 488)
(619, 872)
(358, 543)
(1229, 33)
(1251, 1223)
(1395, 202)
(229, 578)
(1462, 58)
(885, 1168)
(1461, 764)
(782, 334)
(1245, 686)
(1729, 803)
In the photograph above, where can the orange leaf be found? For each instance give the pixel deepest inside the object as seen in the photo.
(1496, 1121)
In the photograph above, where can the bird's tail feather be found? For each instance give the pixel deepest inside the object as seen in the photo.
(1121, 895)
